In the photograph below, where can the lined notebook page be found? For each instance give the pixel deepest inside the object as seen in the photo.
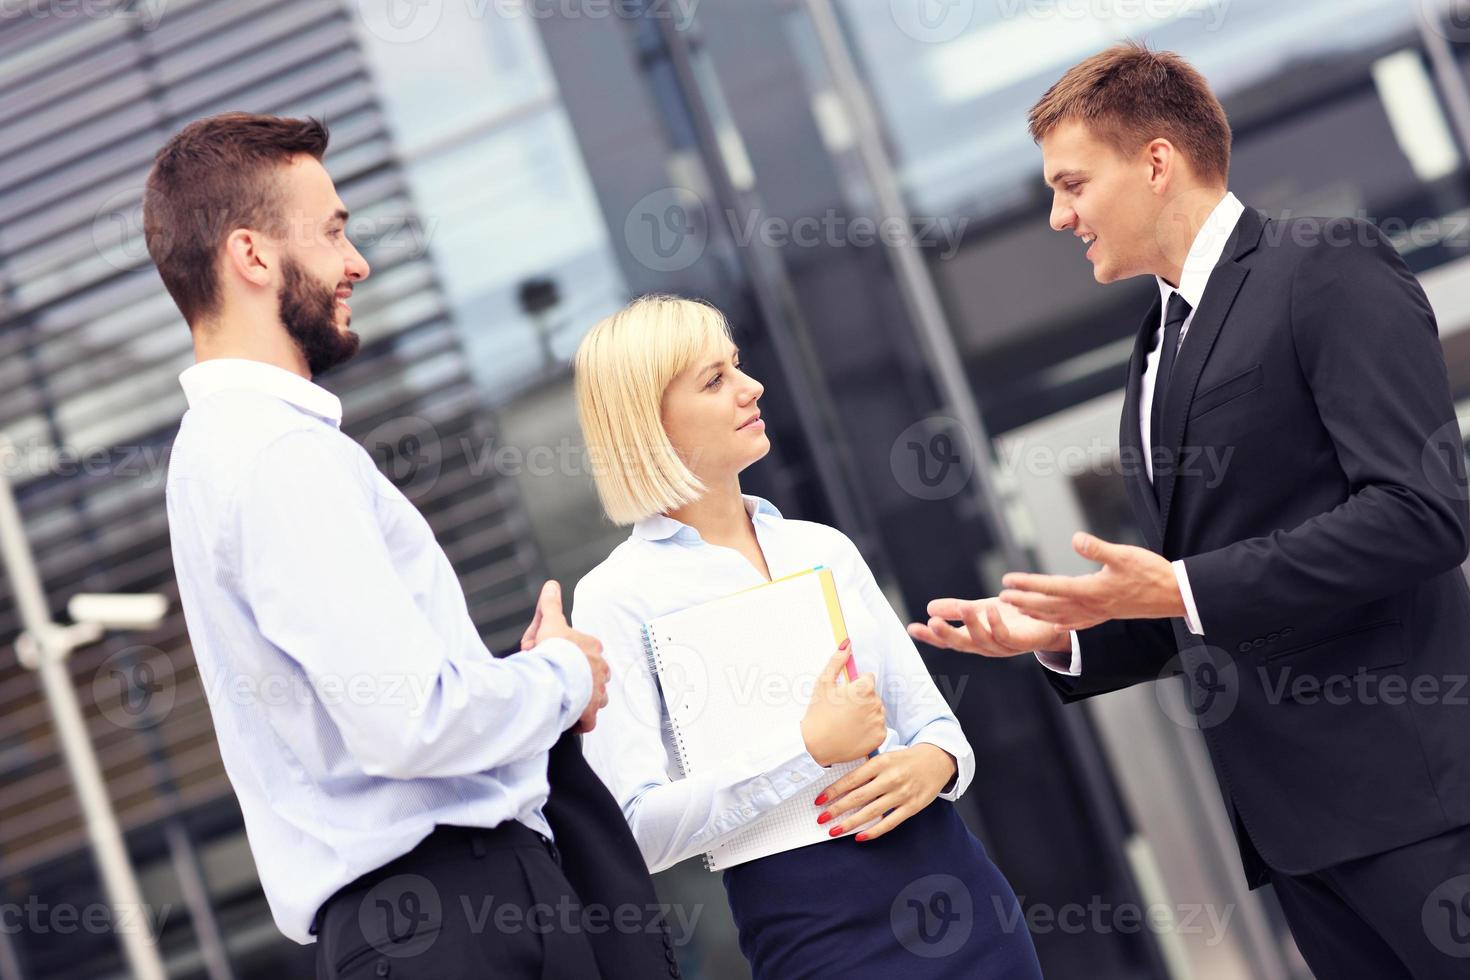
(737, 675)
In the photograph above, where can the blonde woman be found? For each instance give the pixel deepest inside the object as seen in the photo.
(671, 421)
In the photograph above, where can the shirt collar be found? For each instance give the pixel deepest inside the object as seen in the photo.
(1205, 251)
(232, 373)
(660, 526)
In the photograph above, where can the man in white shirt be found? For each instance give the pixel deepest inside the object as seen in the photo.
(1308, 583)
(392, 773)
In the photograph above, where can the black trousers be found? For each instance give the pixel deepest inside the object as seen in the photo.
(1402, 913)
(465, 904)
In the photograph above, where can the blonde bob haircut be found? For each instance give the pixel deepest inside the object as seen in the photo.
(623, 366)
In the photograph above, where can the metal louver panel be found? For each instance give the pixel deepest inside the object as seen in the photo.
(91, 346)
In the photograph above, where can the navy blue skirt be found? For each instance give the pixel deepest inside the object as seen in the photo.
(923, 901)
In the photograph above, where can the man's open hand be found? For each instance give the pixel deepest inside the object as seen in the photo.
(1133, 583)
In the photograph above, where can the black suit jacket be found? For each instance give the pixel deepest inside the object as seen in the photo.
(603, 863)
(1313, 481)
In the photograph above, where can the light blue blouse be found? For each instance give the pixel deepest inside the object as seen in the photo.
(665, 566)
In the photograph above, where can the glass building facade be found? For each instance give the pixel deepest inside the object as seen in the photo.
(851, 182)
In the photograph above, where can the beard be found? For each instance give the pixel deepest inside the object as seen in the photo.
(309, 314)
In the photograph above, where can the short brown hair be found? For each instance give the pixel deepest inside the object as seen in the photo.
(1129, 95)
(215, 175)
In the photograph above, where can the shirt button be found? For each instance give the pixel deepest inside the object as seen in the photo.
(382, 969)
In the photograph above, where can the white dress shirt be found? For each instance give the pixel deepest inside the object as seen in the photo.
(665, 566)
(354, 702)
(1204, 254)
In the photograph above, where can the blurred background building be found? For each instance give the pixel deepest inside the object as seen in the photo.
(852, 183)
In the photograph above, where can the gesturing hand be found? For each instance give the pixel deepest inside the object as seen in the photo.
(548, 624)
(1133, 583)
(991, 628)
(895, 786)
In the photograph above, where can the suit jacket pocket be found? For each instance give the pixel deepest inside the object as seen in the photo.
(1228, 390)
(1339, 657)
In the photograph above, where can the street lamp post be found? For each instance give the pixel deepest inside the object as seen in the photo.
(44, 647)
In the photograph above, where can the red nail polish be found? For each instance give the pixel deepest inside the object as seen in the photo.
(836, 831)
(821, 799)
(845, 644)
(824, 818)
(862, 836)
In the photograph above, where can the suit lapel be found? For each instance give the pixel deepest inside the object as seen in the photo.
(1220, 292)
(1130, 437)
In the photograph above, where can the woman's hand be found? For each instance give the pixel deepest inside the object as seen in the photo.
(898, 783)
(845, 719)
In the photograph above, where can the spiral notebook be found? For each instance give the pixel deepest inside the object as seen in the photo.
(739, 671)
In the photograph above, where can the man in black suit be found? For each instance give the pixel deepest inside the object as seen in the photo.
(1292, 459)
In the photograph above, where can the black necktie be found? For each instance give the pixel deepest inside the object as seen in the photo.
(1178, 312)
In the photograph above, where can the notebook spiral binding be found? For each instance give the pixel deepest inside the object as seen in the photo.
(681, 758)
